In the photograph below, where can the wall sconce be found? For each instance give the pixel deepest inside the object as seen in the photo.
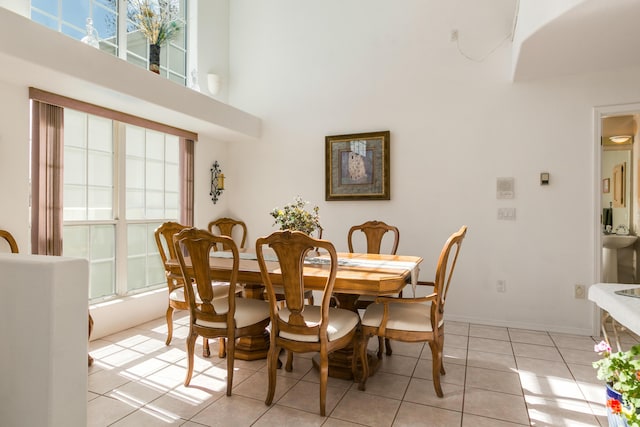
(217, 182)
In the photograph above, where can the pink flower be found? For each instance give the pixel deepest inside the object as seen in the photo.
(602, 346)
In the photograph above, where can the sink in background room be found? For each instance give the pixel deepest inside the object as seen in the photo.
(610, 245)
(615, 241)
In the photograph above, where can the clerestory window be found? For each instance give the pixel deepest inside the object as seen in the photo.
(116, 32)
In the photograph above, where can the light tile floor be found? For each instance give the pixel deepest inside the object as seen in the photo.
(495, 377)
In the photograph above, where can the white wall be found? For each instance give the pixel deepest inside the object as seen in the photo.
(21, 7)
(14, 163)
(213, 44)
(311, 70)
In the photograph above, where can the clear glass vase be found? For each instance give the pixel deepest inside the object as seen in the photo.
(92, 35)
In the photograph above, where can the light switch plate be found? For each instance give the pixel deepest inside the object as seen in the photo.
(508, 214)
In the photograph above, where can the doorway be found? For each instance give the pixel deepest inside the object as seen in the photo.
(616, 198)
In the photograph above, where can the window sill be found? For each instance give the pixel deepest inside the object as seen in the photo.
(121, 313)
(42, 58)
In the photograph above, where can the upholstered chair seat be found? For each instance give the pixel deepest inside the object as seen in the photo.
(341, 322)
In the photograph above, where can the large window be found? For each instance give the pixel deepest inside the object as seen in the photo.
(120, 183)
(116, 32)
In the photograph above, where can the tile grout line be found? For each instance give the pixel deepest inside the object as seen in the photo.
(464, 382)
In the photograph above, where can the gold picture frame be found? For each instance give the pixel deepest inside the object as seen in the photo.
(357, 166)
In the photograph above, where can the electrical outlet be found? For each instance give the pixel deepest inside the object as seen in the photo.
(501, 286)
(579, 291)
(454, 35)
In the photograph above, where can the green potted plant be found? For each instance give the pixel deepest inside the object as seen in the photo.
(158, 22)
(621, 373)
(294, 217)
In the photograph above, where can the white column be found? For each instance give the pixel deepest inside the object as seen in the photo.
(43, 331)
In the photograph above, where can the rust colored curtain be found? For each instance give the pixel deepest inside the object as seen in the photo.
(47, 160)
(186, 181)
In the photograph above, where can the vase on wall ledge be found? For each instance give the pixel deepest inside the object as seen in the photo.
(154, 58)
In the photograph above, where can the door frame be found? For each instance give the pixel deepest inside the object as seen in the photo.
(598, 113)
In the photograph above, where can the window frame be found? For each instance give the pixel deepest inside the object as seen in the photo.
(121, 226)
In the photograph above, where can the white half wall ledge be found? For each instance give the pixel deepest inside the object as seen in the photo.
(547, 32)
(43, 364)
(49, 60)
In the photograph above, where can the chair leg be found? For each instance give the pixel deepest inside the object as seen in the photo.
(191, 343)
(169, 317)
(222, 350)
(360, 352)
(380, 346)
(206, 352)
(289, 366)
(387, 344)
(436, 355)
(272, 365)
(230, 356)
(324, 377)
(442, 371)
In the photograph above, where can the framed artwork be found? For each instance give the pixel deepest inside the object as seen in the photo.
(357, 166)
(605, 185)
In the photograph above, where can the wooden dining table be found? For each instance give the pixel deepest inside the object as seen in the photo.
(357, 274)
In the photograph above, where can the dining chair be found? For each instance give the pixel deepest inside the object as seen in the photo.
(374, 233)
(302, 328)
(175, 282)
(226, 226)
(13, 246)
(417, 319)
(211, 317)
(308, 293)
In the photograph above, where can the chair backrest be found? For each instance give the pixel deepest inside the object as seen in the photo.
(226, 226)
(446, 265)
(198, 244)
(10, 240)
(374, 232)
(164, 239)
(290, 248)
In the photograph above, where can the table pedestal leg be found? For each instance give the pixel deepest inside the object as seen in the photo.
(255, 347)
(340, 360)
(252, 348)
(340, 363)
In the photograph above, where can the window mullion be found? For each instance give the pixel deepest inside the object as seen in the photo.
(120, 206)
(122, 29)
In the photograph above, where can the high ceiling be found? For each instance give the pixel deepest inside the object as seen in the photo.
(594, 35)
